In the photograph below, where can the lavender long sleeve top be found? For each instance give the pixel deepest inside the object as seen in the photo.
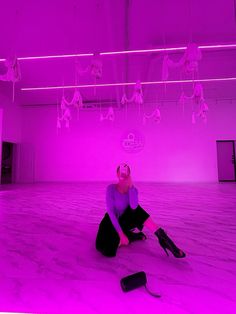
(117, 203)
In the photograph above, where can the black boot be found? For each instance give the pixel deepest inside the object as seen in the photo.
(167, 244)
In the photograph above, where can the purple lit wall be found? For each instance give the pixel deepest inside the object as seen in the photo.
(11, 119)
(10, 126)
(175, 150)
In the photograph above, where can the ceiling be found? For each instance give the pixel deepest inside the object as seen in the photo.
(34, 28)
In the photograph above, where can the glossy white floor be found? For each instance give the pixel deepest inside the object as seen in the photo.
(48, 261)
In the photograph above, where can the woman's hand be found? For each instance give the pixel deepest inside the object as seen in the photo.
(128, 182)
(123, 239)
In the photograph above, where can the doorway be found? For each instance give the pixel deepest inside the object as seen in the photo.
(7, 163)
(226, 160)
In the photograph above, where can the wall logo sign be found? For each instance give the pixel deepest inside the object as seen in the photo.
(132, 141)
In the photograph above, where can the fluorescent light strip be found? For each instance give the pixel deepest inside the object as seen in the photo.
(141, 51)
(75, 86)
(127, 84)
(55, 56)
(218, 46)
(226, 46)
(167, 49)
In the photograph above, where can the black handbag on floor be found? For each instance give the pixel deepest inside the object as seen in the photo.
(134, 281)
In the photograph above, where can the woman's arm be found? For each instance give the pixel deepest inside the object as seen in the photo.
(111, 209)
(133, 195)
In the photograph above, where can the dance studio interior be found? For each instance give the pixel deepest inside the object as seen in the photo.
(109, 107)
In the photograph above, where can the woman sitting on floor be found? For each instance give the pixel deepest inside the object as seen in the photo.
(124, 214)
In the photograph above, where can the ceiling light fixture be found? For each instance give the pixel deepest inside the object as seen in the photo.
(122, 52)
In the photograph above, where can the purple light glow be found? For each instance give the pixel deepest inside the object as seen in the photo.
(127, 84)
(61, 148)
(208, 47)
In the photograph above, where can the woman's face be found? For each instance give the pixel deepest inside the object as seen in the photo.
(123, 172)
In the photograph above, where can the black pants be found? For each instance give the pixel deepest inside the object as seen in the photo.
(108, 239)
